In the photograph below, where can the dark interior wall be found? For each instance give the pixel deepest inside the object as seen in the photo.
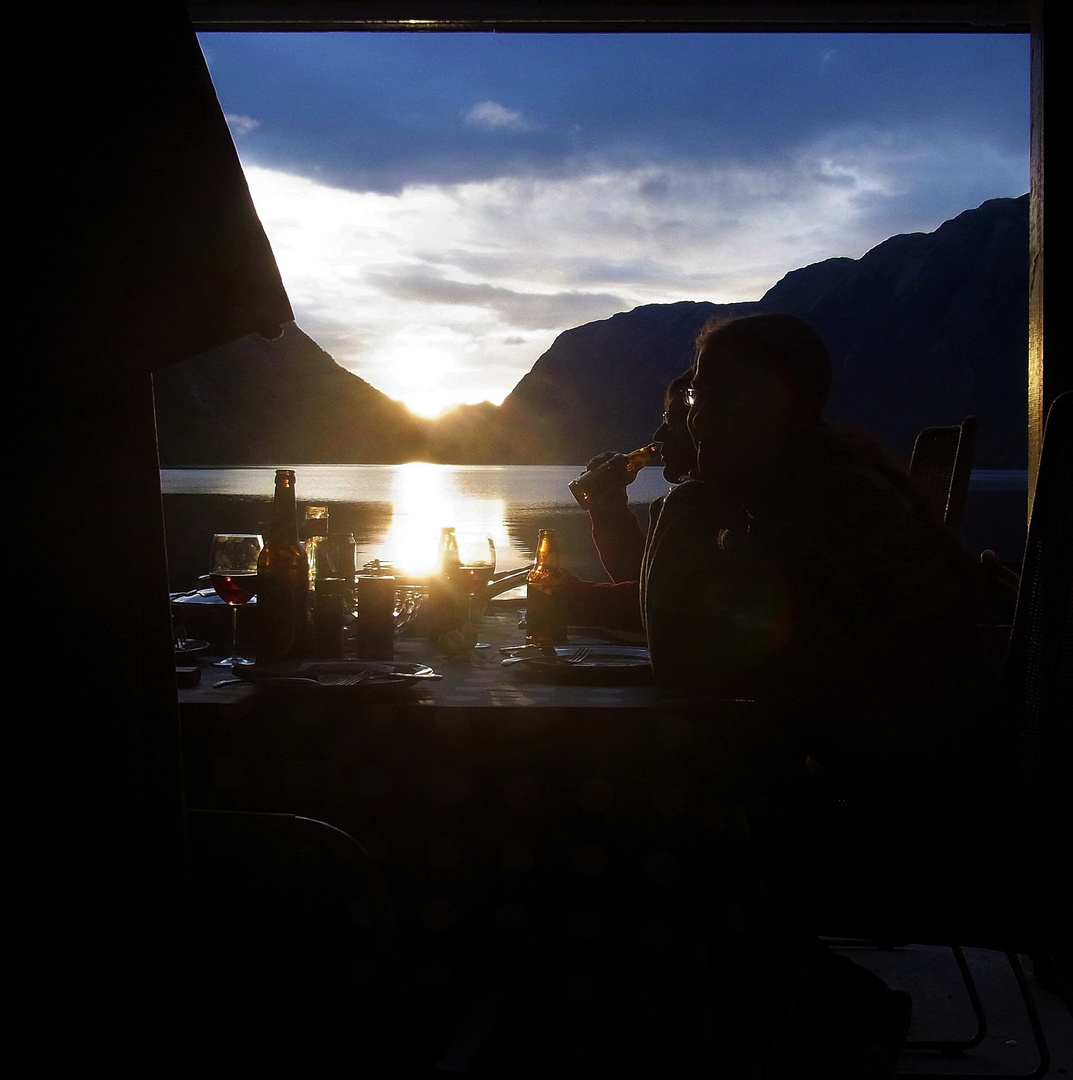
(143, 249)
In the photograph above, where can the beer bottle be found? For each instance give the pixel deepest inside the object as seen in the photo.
(592, 483)
(545, 595)
(446, 603)
(282, 582)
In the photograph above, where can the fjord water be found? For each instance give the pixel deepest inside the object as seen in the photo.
(396, 511)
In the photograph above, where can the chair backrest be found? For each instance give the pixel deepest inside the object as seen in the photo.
(942, 464)
(291, 931)
(1038, 672)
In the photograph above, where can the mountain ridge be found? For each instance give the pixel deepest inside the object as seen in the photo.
(923, 329)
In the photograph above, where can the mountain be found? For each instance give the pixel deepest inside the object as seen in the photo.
(927, 328)
(600, 386)
(260, 402)
(924, 329)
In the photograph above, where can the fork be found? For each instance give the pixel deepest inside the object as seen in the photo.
(349, 680)
(370, 673)
(579, 654)
(576, 657)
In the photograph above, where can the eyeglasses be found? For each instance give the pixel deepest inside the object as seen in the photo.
(689, 395)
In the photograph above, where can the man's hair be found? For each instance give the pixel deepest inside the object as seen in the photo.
(782, 345)
(677, 387)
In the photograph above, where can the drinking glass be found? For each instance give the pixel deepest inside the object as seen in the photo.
(233, 573)
(477, 565)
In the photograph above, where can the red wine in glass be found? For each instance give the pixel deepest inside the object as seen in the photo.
(470, 579)
(233, 573)
(234, 589)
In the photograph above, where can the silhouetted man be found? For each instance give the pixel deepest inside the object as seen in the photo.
(804, 571)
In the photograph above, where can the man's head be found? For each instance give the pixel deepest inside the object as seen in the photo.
(757, 381)
(679, 453)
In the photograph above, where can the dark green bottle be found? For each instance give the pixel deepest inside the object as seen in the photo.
(282, 583)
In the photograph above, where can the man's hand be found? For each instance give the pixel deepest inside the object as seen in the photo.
(613, 494)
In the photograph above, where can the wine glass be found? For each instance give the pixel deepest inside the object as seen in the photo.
(476, 565)
(233, 573)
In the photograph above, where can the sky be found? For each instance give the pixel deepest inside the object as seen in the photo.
(442, 206)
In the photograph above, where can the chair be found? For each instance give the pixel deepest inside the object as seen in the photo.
(1021, 914)
(942, 463)
(291, 951)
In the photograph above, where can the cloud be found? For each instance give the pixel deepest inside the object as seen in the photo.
(381, 112)
(496, 117)
(416, 216)
(487, 273)
(528, 311)
(912, 178)
(241, 125)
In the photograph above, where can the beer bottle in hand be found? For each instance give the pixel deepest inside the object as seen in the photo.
(590, 485)
(545, 595)
(282, 582)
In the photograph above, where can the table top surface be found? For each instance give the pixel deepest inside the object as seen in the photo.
(477, 678)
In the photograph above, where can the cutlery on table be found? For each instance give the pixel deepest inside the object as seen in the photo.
(330, 680)
(576, 657)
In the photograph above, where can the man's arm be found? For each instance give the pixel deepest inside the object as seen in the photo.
(616, 532)
(619, 540)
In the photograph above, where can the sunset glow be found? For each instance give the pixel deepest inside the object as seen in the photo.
(441, 207)
(421, 374)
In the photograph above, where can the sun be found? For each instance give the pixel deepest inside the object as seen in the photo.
(425, 379)
(430, 404)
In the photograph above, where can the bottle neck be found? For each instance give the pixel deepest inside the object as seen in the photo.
(547, 553)
(284, 514)
(638, 459)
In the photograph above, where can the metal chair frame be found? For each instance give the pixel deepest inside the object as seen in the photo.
(942, 463)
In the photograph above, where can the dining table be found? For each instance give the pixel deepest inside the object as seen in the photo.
(498, 714)
(500, 797)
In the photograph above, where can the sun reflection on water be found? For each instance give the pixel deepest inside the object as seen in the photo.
(426, 498)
